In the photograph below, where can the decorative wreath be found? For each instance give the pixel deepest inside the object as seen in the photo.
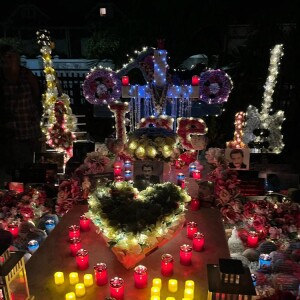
(215, 86)
(101, 86)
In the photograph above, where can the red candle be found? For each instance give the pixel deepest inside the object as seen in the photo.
(195, 204)
(74, 231)
(84, 223)
(100, 272)
(198, 241)
(195, 80)
(117, 170)
(14, 229)
(140, 277)
(191, 228)
(117, 288)
(196, 174)
(167, 265)
(125, 80)
(82, 259)
(252, 239)
(186, 254)
(75, 245)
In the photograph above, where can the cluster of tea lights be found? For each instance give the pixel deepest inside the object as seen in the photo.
(123, 171)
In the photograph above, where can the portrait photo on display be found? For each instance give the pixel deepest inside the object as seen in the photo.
(238, 159)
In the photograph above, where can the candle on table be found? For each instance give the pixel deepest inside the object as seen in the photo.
(70, 296)
(192, 168)
(172, 285)
(88, 280)
(155, 298)
(195, 204)
(82, 259)
(59, 278)
(189, 293)
(191, 228)
(117, 171)
(156, 282)
(196, 174)
(189, 284)
(198, 241)
(79, 289)
(73, 278)
(75, 245)
(170, 298)
(14, 229)
(32, 246)
(74, 231)
(117, 288)
(155, 291)
(84, 223)
(180, 178)
(186, 254)
(252, 239)
(140, 277)
(49, 225)
(100, 272)
(167, 264)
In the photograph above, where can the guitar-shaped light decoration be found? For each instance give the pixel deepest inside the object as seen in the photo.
(239, 122)
(262, 131)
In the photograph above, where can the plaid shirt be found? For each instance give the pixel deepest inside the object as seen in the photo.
(20, 104)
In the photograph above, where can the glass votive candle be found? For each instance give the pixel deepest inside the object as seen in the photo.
(100, 273)
(128, 175)
(49, 225)
(140, 277)
(82, 259)
(186, 254)
(192, 168)
(196, 174)
(13, 228)
(84, 223)
(156, 282)
(74, 231)
(155, 292)
(180, 178)
(70, 296)
(116, 287)
(79, 289)
(88, 280)
(198, 241)
(195, 204)
(189, 284)
(252, 239)
(191, 228)
(73, 278)
(167, 264)
(117, 170)
(264, 261)
(127, 165)
(75, 245)
(59, 278)
(172, 285)
(32, 246)
(188, 293)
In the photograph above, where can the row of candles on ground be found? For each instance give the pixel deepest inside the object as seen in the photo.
(116, 284)
(123, 169)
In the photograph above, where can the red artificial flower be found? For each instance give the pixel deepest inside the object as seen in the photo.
(259, 222)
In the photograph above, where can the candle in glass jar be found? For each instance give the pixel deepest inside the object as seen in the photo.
(70, 296)
(180, 178)
(117, 288)
(59, 278)
(128, 175)
(195, 80)
(172, 285)
(79, 289)
(127, 165)
(252, 239)
(186, 254)
(156, 282)
(32, 246)
(75, 245)
(191, 228)
(155, 291)
(49, 225)
(195, 204)
(74, 231)
(188, 293)
(88, 280)
(73, 278)
(196, 174)
(100, 272)
(14, 229)
(198, 241)
(84, 223)
(82, 259)
(125, 80)
(155, 298)
(167, 265)
(140, 277)
(189, 284)
(117, 171)
(192, 168)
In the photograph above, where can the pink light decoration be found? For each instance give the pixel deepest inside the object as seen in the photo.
(125, 80)
(14, 229)
(191, 228)
(100, 272)
(252, 239)
(74, 231)
(186, 254)
(75, 245)
(84, 223)
(117, 288)
(82, 259)
(195, 204)
(196, 174)
(195, 80)
(140, 277)
(167, 265)
(198, 241)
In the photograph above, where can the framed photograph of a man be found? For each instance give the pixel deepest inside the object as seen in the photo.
(147, 173)
(238, 159)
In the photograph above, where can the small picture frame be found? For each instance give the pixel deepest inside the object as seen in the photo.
(147, 173)
(238, 159)
(50, 157)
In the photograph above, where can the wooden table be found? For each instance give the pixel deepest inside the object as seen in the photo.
(53, 255)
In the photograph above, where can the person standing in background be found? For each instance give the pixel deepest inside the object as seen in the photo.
(20, 112)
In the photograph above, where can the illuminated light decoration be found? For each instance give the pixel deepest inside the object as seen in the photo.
(262, 131)
(187, 127)
(163, 121)
(101, 86)
(120, 109)
(239, 123)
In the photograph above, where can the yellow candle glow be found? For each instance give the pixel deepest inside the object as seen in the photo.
(172, 285)
(88, 280)
(79, 289)
(70, 296)
(155, 298)
(156, 282)
(59, 278)
(170, 298)
(155, 291)
(189, 293)
(189, 284)
(73, 278)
